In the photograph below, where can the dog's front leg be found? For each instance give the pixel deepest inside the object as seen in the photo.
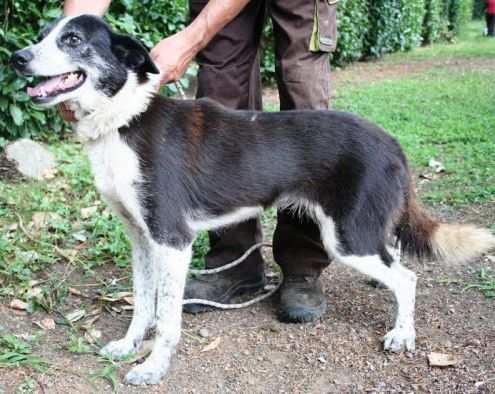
(171, 270)
(144, 290)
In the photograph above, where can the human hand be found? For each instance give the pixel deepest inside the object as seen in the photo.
(66, 113)
(172, 56)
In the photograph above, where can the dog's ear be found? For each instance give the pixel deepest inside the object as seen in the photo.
(133, 54)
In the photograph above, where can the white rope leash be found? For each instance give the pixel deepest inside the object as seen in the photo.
(272, 288)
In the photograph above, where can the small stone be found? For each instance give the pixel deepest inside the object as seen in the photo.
(32, 159)
(204, 333)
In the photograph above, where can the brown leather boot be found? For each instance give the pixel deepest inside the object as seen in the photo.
(301, 299)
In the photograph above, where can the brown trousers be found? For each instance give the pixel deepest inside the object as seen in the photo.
(229, 73)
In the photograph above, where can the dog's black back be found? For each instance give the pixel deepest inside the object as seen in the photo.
(200, 156)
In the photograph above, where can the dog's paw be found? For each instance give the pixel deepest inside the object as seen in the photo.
(399, 339)
(145, 373)
(119, 349)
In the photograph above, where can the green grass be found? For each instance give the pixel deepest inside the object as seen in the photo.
(15, 352)
(445, 115)
(64, 237)
(470, 44)
(484, 282)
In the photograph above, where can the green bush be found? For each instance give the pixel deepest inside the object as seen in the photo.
(352, 18)
(19, 118)
(479, 9)
(458, 13)
(22, 21)
(434, 24)
(384, 26)
(395, 25)
(411, 24)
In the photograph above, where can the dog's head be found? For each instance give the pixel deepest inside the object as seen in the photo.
(81, 60)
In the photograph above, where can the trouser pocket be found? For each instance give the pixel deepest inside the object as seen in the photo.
(324, 35)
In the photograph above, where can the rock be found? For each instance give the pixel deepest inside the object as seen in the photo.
(204, 333)
(31, 158)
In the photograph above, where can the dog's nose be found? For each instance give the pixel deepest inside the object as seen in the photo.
(20, 59)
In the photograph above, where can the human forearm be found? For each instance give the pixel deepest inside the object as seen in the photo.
(214, 16)
(95, 7)
(174, 53)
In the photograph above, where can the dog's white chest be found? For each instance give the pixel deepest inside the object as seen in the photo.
(116, 171)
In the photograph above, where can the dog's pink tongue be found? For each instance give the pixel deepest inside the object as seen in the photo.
(46, 87)
(55, 85)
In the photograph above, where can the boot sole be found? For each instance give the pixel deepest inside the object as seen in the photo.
(301, 314)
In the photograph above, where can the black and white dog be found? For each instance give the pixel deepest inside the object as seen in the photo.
(171, 168)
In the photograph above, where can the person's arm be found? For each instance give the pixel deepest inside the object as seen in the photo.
(173, 54)
(94, 7)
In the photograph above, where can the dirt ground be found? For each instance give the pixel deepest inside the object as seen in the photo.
(341, 353)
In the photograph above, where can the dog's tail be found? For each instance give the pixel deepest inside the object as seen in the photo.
(424, 237)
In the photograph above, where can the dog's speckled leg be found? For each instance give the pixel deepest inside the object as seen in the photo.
(171, 270)
(144, 299)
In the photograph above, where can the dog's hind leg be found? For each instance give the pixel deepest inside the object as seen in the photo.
(388, 271)
(402, 282)
(144, 288)
(171, 270)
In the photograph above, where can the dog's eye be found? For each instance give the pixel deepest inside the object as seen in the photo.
(72, 40)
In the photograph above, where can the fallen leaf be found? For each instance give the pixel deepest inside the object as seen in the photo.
(146, 349)
(35, 292)
(86, 213)
(49, 173)
(436, 165)
(129, 300)
(426, 176)
(92, 335)
(46, 324)
(12, 227)
(114, 297)
(18, 304)
(75, 292)
(443, 359)
(41, 219)
(80, 236)
(75, 315)
(212, 346)
(490, 258)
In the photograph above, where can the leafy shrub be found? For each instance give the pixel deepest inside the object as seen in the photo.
(150, 20)
(458, 13)
(395, 25)
(479, 9)
(384, 27)
(433, 23)
(411, 24)
(267, 59)
(352, 19)
(22, 21)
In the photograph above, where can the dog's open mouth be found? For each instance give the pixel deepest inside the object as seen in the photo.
(53, 86)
